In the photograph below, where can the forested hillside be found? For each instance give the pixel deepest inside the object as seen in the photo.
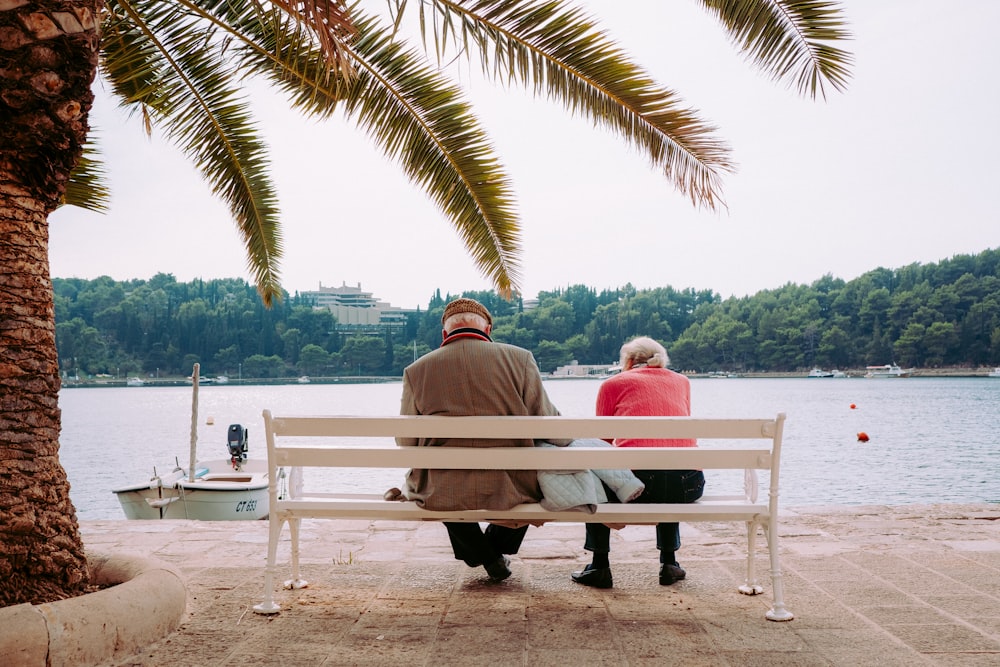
(943, 314)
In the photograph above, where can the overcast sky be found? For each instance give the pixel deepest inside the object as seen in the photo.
(900, 168)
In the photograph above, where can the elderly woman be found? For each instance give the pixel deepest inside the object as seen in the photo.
(645, 387)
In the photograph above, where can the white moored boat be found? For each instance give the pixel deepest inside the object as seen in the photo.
(995, 373)
(233, 489)
(888, 371)
(820, 373)
(218, 492)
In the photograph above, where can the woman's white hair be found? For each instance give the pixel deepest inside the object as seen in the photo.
(644, 350)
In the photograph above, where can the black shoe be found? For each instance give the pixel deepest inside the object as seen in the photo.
(498, 569)
(596, 577)
(670, 573)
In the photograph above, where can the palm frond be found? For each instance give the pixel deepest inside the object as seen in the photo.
(792, 40)
(155, 56)
(421, 120)
(266, 41)
(86, 186)
(331, 22)
(561, 53)
(414, 115)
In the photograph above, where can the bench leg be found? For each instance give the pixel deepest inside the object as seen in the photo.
(296, 581)
(268, 605)
(777, 612)
(751, 587)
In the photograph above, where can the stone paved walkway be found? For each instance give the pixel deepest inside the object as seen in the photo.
(913, 585)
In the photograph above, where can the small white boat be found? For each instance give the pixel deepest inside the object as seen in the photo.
(995, 373)
(221, 379)
(820, 373)
(888, 371)
(218, 492)
(233, 489)
(134, 382)
(304, 379)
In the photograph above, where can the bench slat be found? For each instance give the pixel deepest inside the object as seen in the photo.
(524, 427)
(318, 495)
(525, 458)
(350, 508)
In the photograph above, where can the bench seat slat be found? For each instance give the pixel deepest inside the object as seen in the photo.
(352, 508)
(317, 495)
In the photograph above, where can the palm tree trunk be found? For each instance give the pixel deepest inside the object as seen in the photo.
(48, 58)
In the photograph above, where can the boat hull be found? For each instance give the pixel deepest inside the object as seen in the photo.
(218, 493)
(197, 504)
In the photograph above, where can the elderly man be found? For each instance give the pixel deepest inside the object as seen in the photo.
(471, 375)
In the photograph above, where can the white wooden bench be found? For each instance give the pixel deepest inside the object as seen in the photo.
(297, 442)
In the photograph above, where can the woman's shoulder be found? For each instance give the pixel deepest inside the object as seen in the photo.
(674, 376)
(659, 370)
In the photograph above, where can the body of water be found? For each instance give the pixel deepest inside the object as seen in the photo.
(931, 440)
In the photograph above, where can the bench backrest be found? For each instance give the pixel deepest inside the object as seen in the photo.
(330, 453)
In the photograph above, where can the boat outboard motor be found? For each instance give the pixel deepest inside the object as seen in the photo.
(238, 444)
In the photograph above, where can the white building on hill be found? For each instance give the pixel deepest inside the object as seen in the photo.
(354, 308)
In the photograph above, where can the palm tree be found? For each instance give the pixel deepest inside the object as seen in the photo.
(180, 65)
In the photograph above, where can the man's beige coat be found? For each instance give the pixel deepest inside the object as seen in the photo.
(470, 376)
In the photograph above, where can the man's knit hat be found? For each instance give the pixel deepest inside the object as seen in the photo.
(466, 306)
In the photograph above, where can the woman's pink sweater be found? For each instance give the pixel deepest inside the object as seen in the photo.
(646, 392)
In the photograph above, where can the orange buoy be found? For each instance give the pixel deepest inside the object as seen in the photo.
(853, 406)
(862, 437)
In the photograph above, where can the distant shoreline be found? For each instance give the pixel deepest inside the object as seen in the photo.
(183, 382)
(951, 372)
(860, 373)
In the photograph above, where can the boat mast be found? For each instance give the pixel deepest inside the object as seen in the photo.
(194, 422)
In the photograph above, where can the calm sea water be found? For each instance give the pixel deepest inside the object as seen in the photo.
(931, 440)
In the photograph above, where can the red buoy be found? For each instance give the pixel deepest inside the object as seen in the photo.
(862, 437)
